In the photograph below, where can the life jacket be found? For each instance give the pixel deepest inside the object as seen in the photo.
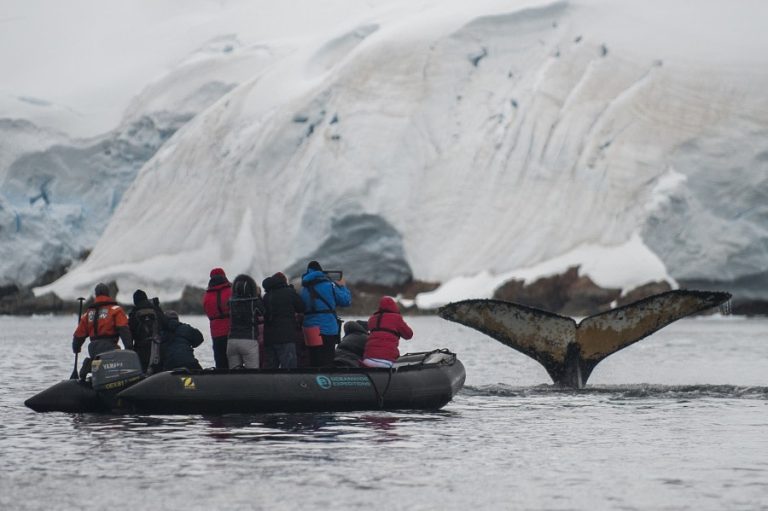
(101, 320)
(378, 328)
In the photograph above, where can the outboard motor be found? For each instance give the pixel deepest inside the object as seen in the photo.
(115, 371)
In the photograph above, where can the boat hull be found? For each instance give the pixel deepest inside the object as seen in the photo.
(425, 387)
(419, 381)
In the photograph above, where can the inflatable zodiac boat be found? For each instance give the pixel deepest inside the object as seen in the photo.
(418, 381)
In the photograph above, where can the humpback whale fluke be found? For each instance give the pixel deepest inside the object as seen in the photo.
(570, 351)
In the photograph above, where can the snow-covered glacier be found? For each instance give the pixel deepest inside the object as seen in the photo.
(466, 144)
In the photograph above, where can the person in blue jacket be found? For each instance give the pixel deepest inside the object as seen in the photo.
(321, 297)
(179, 342)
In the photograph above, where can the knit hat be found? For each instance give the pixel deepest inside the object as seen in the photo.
(101, 289)
(139, 296)
(217, 271)
(280, 276)
(172, 315)
(314, 266)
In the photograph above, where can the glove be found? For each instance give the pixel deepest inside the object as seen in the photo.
(76, 345)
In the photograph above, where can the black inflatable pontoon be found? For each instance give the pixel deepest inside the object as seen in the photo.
(422, 381)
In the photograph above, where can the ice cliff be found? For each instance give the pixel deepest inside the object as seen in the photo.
(437, 141)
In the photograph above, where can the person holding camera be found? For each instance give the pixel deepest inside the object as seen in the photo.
(321, 297)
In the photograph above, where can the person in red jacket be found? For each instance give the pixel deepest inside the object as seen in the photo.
(386, 327)
(216, 305)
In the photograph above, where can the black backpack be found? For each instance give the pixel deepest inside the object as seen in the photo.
(147, 326)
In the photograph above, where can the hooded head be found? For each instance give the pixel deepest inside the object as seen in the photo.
(101, 289)
(388, 304)
(351, 327)
(139, 296)
(218, 277)
(276, 281)
(245, 287)
(314, 266)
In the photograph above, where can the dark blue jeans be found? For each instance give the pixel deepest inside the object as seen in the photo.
(280, 356)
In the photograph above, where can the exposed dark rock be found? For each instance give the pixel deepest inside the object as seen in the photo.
(365, 247)
(24, 302)
(549, 293)
(9, 290)
(191, 301)
(366, 296)
(644, 291)
(567, 294)
(750, 308)
(586, 298)
(51, 275)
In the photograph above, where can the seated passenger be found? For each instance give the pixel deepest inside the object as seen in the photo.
(387, 327)
(349, 353)
(104, 322)
(179, 341)
(246, 316)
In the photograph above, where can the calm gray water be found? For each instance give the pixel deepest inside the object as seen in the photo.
(677, 421)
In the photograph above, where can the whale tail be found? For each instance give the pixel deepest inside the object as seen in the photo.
(569, 351)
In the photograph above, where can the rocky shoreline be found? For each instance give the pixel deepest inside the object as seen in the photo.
(567, 294)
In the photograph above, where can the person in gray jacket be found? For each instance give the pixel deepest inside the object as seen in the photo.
(350, 351)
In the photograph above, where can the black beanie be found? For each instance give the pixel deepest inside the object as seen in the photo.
(314, 265)
(139, 296)
(101, 289)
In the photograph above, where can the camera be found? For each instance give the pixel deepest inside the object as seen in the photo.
(334, 274)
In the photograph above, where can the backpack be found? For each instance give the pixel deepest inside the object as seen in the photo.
(147, 327)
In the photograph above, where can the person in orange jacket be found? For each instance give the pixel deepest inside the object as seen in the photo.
(104, 322)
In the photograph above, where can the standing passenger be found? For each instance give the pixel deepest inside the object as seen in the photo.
(321, 297)
(387, 327)
(216, 305)
(104, 322)
(282, 304)
(246, 317)
(146, 323)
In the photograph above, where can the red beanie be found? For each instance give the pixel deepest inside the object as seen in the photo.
(217, 271)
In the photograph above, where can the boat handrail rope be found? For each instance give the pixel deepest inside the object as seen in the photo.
(380, 395)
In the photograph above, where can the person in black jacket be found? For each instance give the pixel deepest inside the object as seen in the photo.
(179, 341)
(146, 321)
(281, 327)
(350, 351)
(246, 315)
